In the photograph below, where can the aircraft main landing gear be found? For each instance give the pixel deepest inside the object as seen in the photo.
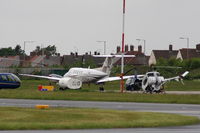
(101, 88)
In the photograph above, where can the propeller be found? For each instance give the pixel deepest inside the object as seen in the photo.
(182, 76)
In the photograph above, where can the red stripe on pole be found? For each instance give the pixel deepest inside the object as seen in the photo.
(124, 6)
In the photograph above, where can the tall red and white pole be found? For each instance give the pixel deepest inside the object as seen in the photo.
(123, 36)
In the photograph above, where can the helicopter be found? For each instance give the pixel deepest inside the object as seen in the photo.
(9, 81)
(151, 82)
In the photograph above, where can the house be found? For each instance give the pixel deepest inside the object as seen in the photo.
(68, 60)
(37, 60)
(165, 54)
(138, 60)
(188, 53)
(9, 61)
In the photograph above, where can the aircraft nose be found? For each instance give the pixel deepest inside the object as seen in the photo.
(19, 84)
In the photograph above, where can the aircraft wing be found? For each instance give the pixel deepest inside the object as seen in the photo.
(39, 76)
(107, 79)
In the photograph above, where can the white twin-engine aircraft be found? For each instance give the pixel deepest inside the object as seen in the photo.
(74, 78)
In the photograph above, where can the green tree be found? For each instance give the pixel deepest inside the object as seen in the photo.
(18, 50)
(49, 50)
(7, 52)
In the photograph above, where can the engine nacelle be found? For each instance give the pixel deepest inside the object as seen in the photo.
(70, 83)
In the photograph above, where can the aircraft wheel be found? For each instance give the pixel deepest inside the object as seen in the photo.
(149, 89)
(62, 89)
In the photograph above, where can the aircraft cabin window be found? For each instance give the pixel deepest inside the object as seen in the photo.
(4, 78)
(10, 78)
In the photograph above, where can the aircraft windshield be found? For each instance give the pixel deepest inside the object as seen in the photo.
(150, 74)
(16, 78)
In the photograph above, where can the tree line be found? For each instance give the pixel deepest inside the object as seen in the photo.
(17, 50)
(172, 66)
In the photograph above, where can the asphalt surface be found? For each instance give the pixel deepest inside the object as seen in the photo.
(185, 109)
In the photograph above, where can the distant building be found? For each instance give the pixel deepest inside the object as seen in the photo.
(9, 61)
(37, 60)
(139, 59)
(75, 57)
(165, 54)
(188, 53)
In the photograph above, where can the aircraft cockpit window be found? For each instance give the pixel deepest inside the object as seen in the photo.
(4, 78)
(150, 74)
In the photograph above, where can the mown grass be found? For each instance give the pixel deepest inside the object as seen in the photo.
(28, 90)
(189, 85)
(12, 118)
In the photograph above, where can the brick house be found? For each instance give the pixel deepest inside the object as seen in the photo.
(188, 53)
(138, 60)
(165, 54)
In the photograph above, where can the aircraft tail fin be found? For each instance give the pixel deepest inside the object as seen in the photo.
(108, 63)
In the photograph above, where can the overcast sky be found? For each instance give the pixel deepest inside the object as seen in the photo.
(76, 25)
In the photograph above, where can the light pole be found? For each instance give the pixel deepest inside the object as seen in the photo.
(104, 42)
(187, 38)
(25, 46)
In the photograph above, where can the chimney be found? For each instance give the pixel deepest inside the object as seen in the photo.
(198, 47)
(71, 53)
(131, 48)
(126, 48)
(140, 49)
(170, 47)
(76, 54)
(118, 49)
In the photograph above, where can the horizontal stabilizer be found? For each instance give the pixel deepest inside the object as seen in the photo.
(184, 74)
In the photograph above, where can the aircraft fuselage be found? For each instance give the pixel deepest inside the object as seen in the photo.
(85, 74)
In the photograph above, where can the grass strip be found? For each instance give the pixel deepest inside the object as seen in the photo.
(28, 90)
(12, 118)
